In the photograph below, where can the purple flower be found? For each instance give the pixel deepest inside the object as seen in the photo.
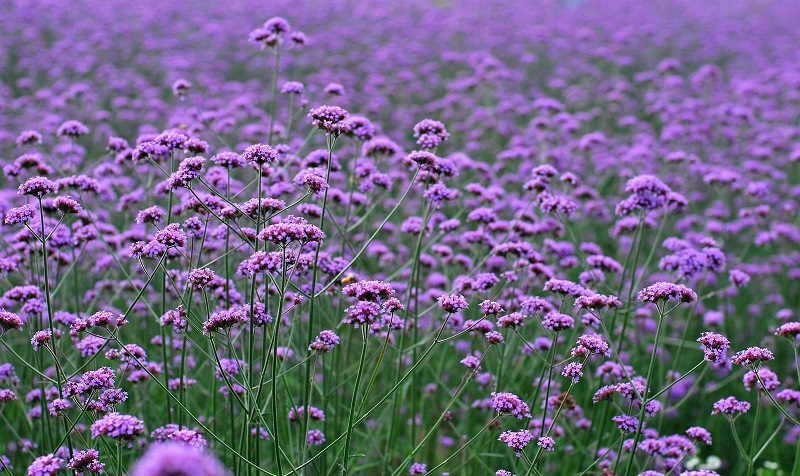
(29, 138)
(324, 342)
(452, 303)
(40, 338)
(171, 236)
(590, 344)
(86, 461)
(223, 320)
(626, 423)
(574, 371)
(418, 469)
(764, 375)
(508, 403)
(48, 465)
(118, 426)
(58, 407)
(292, 87)
(430, 133)
(201, 277)
(260, 154)
(752, 356)
(291, 229)
(9, 321)
(20, 215)
(491, 308)
(663, 291)
(315, 437)
(730, 406)
(738, 278)
(646, 193)
(471, 362)
(546, 443)
(298, 414)
(700, 434)
(557, 322)
(790, 330)
(330, 119)
(172, 459)
(715, 346)
(516, 440)
(38, 187)
(597, 301)
(72, 129)
(181, 88)
(374, 291)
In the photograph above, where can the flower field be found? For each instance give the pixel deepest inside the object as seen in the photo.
(444, 237)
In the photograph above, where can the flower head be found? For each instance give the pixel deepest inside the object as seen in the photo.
(172, 459)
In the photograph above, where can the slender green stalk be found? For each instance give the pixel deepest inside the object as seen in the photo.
(351, 413)
(648, 383)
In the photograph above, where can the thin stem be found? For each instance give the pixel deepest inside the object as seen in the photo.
(351, 415)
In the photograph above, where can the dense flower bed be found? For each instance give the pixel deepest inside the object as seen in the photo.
(399, 238)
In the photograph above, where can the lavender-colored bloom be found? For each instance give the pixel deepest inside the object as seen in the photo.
(72, 129)
(597, 301)
(491, 308)
(700, 434)
(567, 288)
(752, 356)
(739, 278)
(324, 342)
(40, 339)
(763, 380)
(171, 236)
(790, 330)
(29, 137)
(47, 465)
(730, 406)
(152, 214)
(118, 426)
(418, 469)
(58, 407)
(715, 346)
(172, 459)
(20, 215)
(201, 277)
(223, 320)
(663, 291)
(558, 322)
(297, 415)
(515, 319)
(38, 187)
(9, 321)
(546, 443)
(260, 154)
(508, 403)
(516, 440)
(291, 229)
(86, 462)
(330, 119)
(452, 303)
(430, 133)
(292, 87)
(574, 371)
(67, 205)
(374, 291)
(181, 88)
(315, 437)
(626, 423)
(471, 362)
(590, 344)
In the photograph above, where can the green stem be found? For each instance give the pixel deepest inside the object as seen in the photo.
(351, 415)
